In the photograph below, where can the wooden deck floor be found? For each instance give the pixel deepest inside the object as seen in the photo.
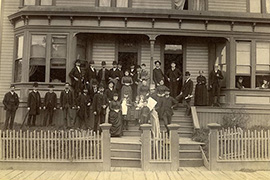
(134, 174)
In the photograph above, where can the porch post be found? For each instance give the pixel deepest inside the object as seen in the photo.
(152, 39)
(213, 145)
(146, 144)
(174, 146)
(106, 146)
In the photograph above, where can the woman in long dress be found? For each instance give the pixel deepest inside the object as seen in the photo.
(115, 117)
(201, 91)
(126, 82)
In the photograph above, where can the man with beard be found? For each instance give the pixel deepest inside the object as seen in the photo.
(34, 105)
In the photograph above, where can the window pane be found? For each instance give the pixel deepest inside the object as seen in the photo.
(243, 70)
(59, 46)
(255, 6)
(19, 53)
(243, 53)
(260, 78)
(38, 47)
(18, 71)
(262, 53)
(29, 2)
(37, 73)
(122, 3)
(267, 6)
(262, 68)
(46, 2)
(105, 3)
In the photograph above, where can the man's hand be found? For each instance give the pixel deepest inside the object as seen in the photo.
(28, 108)
(54, 108)
(104, 106)
(95, 113)
(44, 107)
(177, 79)
(61, 108)
(88, 104)
(169, 79)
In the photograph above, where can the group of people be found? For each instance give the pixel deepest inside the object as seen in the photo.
(116, 96)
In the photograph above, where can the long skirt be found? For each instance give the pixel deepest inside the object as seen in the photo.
(200, 95)
(155, 123)
(126, 90)
(115, 119)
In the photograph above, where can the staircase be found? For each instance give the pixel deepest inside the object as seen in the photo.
(185, 122)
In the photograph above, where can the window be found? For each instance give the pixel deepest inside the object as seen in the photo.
(29, 2)
(122, 3)
(38, 2)
(46, 2)
(262, 62)
(18, 59)
(243, 62)
(267, 6)
(81, 48)
(58, 59)
(221, 61)
(105, 3)
(255, 6)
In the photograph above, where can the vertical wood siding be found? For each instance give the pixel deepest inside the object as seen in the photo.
(152, 4)
(227, 5)
(6, 56)
(196, 60)
(103, 51)
(86, 3)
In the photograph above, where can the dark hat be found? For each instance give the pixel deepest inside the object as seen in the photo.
(51, 86)
(35, 84)
(114, 63)
(12, 85)
(100, 86)
(173, 62)
(187, 73)
(132, 65)
(111, 82)
(139, 66)
(157, 62)
(115, 94)
(241, 77)
(103, 63)
(143, 64)
(91, 62)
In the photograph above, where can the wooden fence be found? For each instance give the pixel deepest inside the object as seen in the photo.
(160, 147)
(236, 144)
(51, 146)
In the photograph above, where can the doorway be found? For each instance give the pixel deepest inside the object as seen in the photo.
(127, 59)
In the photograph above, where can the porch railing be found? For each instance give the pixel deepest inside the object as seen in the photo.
(161, 147)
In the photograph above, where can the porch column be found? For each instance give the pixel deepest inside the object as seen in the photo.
(152, 39)
(174, 146)
(72, 56)
(213, 145)
(146, 145)
(106, 146)
(231, 60)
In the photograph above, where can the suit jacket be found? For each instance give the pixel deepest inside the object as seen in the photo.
(174, 74)
(90, 74)
(98, 102)
(167, 104)
(79, 75)
(66, 99)
(109, 94)
(215, 78)
(92, 93)
(11, 102)
(34, 102)
(82, 101)
(99, 76)
(50, 100)
(157, 75)
(187, 88)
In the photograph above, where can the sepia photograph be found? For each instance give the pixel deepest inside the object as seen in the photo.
(134, 89)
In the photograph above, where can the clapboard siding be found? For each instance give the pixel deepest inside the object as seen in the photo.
(152, 4)
(227, 5)
(196, 60)
(146, 56)
(85, 3)
(7, 45)
(103, 51)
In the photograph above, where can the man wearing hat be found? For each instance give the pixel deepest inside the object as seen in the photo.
(66, 104)
(215, 78)
(34, 105)
(186, 93)
(50, 101)
(174, 77)
(77, 78)
(11, 104)
(103, 74)
(90, 74)
(114, 76)
(99, 108)
(157, 73)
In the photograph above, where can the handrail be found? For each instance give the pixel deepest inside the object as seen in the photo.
(195, 118)
(205, 161)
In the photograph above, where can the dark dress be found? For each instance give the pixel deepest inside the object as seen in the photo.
(201, 92)
(115, 118)
(126, 89)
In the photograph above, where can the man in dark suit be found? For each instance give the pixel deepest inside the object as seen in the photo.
(157, 73)
(215, 78)
(103, 75)
(77, 78)
(50, 101)
(34, 105)
(90, 75)
(11, 104)
(186, 93)
(114, 76)
(174, 76)
(134, 85)
(99, 108)
(83, 104)
(67, 104)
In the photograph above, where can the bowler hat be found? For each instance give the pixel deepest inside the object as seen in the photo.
(158, 62)
(114, 63)
(91, 62)
(103, 63)
(187, 73)
(35, 84)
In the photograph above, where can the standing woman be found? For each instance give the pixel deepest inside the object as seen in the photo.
(201, 91)
(126, 82)
(115, 117)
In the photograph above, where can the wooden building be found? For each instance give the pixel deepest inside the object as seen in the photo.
(41, 39)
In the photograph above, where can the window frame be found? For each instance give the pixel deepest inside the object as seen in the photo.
(113, 4)
(38, 3)
(16, 58)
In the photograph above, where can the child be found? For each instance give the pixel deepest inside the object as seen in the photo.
(167, 111)
(137, 109)
(126, 82)
(265, 84)
(145, 113)
(115, 117)
(125, 104)
(50, 101)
